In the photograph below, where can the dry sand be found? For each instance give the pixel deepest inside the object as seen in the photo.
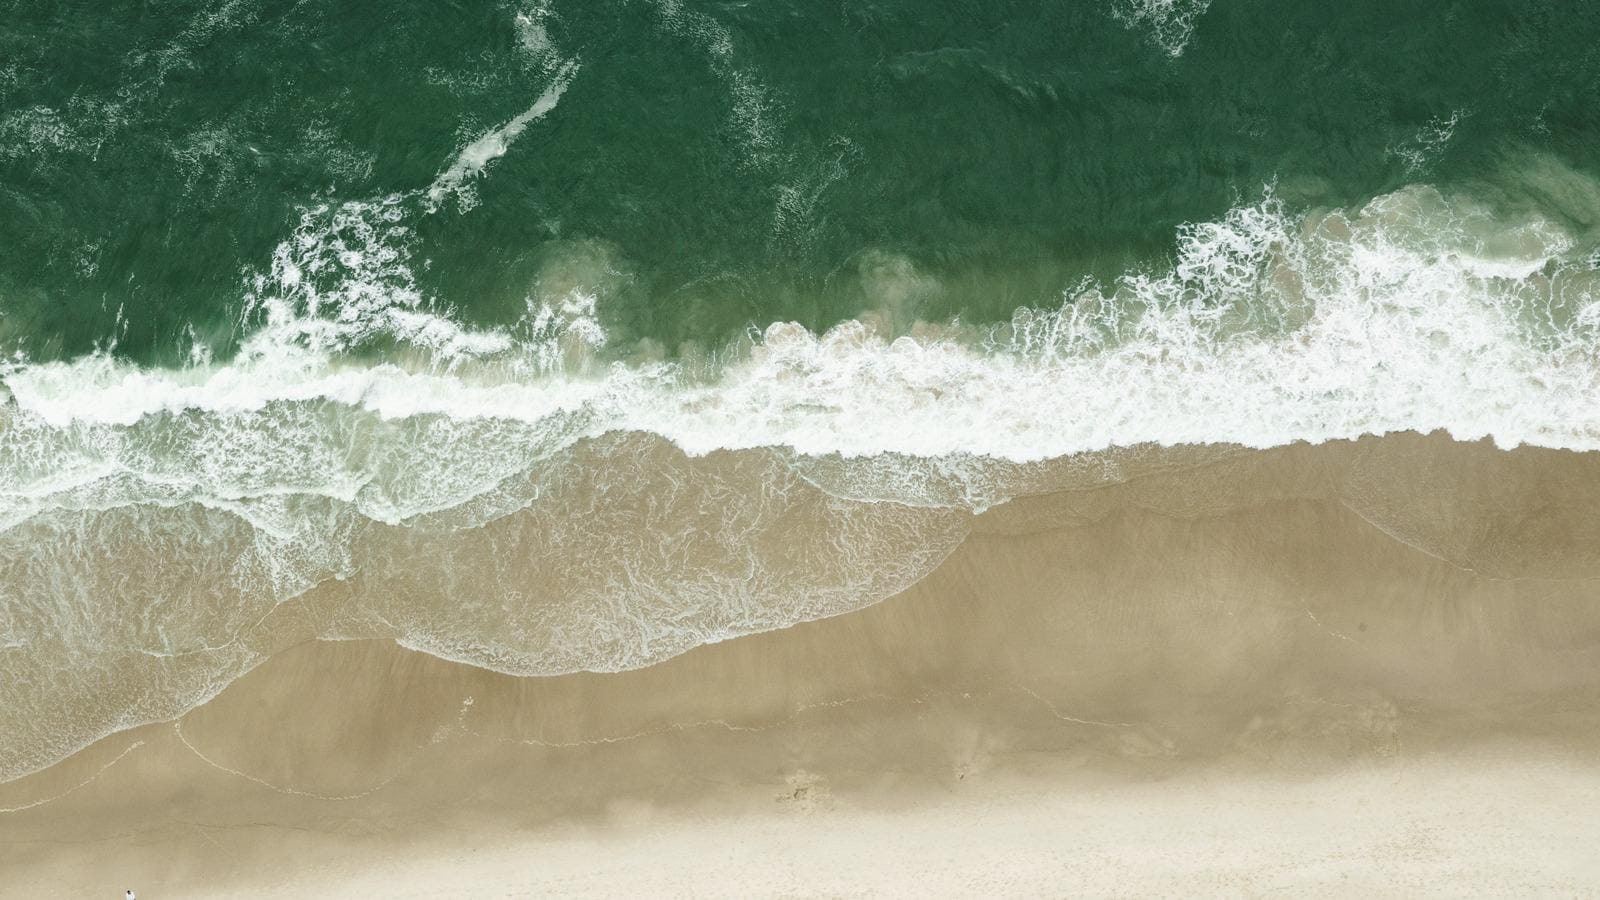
(1355, 668)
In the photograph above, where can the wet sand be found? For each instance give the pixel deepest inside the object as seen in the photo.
(1356, 667)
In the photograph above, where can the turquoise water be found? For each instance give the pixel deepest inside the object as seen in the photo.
(570, 336)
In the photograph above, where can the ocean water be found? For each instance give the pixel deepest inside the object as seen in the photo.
(556, 336)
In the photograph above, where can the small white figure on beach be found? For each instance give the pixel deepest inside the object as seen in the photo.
(128, 895)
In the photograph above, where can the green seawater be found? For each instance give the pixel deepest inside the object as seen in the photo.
(727, 164)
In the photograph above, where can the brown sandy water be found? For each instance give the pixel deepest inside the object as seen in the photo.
(1370, 665)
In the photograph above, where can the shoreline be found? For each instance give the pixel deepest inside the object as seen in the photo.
(1299, 627)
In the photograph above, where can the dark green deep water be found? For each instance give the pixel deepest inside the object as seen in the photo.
(735, 163)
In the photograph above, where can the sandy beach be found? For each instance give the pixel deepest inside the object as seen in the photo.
(1352, 668)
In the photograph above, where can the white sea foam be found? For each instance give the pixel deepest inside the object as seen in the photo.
(1168, 23)
(494, 143)
(1417, 311)
(532, 24)
(32, 131)
(1429, 142)
(753, 111)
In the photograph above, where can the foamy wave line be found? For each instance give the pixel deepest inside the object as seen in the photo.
(125, 605)
(1418, 311)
